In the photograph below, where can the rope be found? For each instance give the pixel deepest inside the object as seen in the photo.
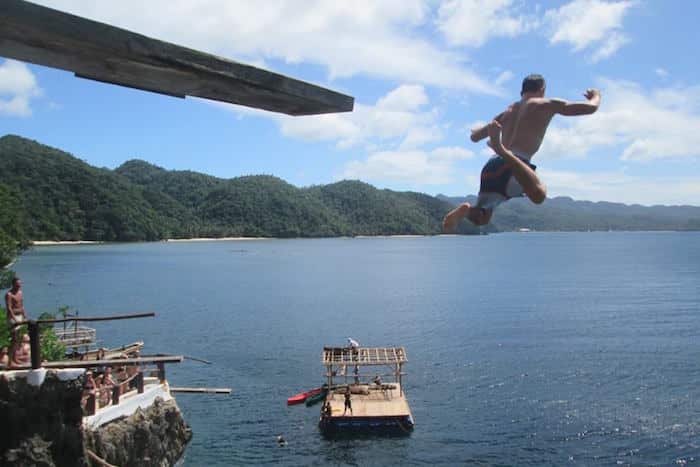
(98, 459)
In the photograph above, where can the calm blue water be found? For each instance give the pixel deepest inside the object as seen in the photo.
(524, 349)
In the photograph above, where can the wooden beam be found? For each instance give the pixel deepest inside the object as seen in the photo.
(98, 51)
(202, 390)
(112, 363)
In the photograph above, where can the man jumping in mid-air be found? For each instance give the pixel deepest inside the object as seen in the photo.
(515, 135)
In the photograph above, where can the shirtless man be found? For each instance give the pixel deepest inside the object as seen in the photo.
(23, 353)
(14, 305)
(515, 135)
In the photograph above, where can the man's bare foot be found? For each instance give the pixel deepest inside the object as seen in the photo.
(449, 223)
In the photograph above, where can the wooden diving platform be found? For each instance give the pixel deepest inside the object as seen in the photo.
(101, 52)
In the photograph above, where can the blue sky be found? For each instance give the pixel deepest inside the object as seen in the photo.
(422, 72)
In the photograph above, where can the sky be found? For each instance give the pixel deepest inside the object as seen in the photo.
(422, 72)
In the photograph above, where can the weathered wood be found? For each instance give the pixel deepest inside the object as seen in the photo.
(91, 404)
(101, 52)
(112, 363)
(116, 392)
(364, 356)
(161, 372)
(139, 382)
(375, 403)
(34, 345)
(98, 318)
(202, 390)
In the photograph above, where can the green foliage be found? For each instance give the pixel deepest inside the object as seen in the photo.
(4, 329)
(6, 276)
(51, 348)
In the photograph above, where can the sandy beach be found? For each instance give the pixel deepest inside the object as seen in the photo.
(63, 242)
(220, 239)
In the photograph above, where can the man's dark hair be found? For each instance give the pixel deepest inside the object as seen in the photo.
(14, 280)
(532, 83)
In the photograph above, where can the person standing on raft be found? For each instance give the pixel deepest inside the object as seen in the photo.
(515, 135)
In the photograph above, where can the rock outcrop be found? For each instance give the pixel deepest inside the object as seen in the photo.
(156, 436)
(42, 426)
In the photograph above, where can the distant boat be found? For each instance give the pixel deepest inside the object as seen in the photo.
(523, 230)
(302, 396)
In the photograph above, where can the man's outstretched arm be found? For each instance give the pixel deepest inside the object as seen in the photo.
(571, 109)
(482, 132)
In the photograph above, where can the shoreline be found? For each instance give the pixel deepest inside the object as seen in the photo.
(214, 239)
(64, 242)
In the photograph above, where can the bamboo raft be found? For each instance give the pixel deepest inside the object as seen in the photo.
(376, 407)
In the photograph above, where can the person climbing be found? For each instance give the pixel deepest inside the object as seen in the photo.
(515, 135)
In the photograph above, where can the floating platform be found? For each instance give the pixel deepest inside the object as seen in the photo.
(377, 407)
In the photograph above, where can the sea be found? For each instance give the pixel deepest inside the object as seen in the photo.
(524, 349)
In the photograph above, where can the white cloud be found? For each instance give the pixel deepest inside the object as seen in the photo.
(18, 86)
(406, 97)
(609, 46)
(417, 167)
(622, 188)
(661, 72)
(587, 24)
(363, 37)
(398, 118)
(642, 125)
(473, 22)
(504, 77)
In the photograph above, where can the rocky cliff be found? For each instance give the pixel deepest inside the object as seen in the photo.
(42, 425)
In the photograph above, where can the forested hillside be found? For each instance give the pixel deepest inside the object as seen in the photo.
(47, 194)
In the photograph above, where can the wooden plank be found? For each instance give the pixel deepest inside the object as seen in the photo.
(114, 362)
(202, 390)
(375, 404)
(102, 52)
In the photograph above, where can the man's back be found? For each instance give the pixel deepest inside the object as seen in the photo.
(525, 124)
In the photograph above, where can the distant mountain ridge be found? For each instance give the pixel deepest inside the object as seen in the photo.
(47, 194)
(566, 214)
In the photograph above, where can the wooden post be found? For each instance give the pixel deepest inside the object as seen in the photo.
(34, 344)
(91, 406)
(161, 372)
(116, 392)
(139, 381)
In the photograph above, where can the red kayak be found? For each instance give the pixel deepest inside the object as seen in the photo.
(301, 397)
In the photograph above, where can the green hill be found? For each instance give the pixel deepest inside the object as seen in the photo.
(47, 194)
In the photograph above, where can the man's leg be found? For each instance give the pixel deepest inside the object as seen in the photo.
(532, 187)
(528, 179)
(449, 223)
